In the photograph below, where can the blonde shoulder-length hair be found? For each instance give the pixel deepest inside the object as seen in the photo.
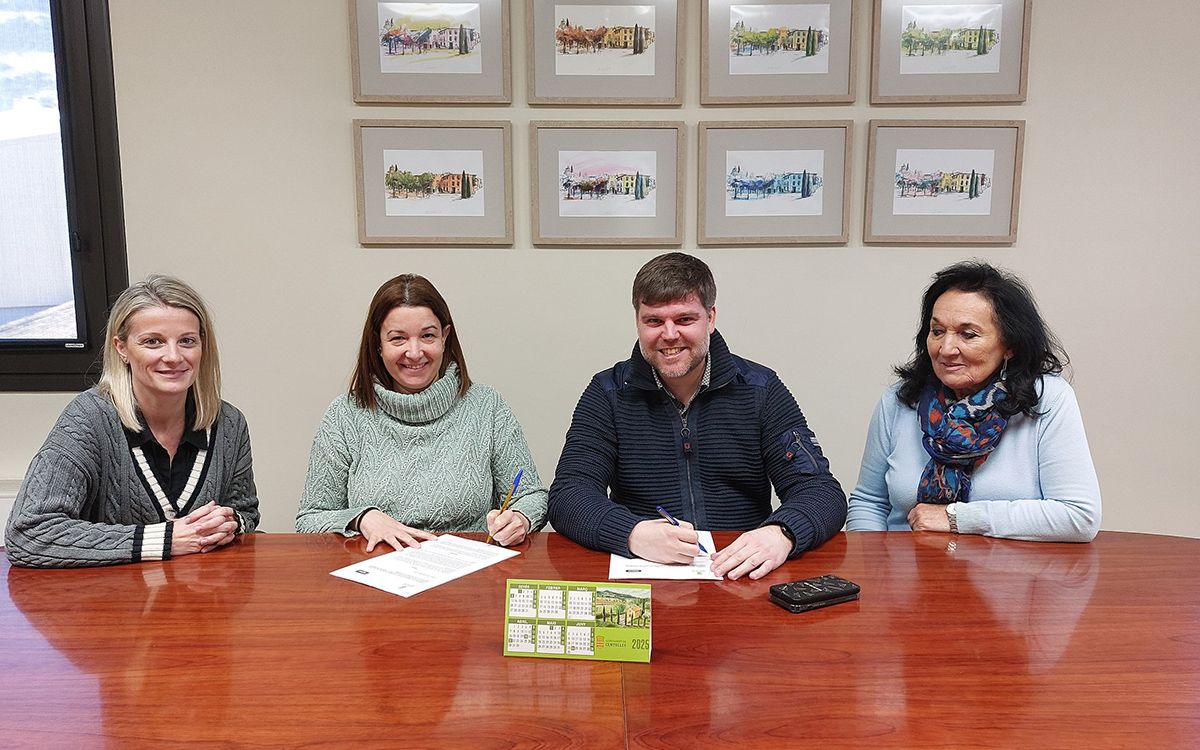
(116, 382)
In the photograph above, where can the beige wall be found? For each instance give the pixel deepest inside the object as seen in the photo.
(238, 174)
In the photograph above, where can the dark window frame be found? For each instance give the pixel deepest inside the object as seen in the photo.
(95, 212)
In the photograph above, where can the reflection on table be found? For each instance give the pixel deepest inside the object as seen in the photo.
(955, 641)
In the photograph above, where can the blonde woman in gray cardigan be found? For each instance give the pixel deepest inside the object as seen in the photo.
(151, 463)
(415, 447)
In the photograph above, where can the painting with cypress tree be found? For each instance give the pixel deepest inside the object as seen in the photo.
(774, 183)
(614, 40)
(940, 182)
(430, 38)
(950, 38)
(607, 183)
(438, 182)
(779, 39)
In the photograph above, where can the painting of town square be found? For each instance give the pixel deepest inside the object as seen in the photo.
(950, 39)
(607, 183)
(610, 40)
(433, 183)
(778, 39)
(774, 183)
(943, 182)
(429, 38)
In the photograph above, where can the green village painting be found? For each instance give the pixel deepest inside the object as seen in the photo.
(618, 607)
(940, 39)
(789, 38)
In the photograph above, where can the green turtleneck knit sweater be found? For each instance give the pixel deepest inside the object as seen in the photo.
(431, 460)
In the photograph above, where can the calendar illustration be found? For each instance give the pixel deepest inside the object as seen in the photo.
(577, 620)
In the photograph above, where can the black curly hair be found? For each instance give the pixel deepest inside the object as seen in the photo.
(1036, 350)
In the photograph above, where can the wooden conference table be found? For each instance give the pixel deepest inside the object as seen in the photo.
(979, 643)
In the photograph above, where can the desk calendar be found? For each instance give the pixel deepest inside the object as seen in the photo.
(577, 620)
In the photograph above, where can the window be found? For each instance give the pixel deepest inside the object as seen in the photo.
(62, 242)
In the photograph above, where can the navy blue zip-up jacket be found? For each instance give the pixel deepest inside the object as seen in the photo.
(744, 433)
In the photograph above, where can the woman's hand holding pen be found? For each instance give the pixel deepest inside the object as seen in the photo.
(377, 526)
(507, 527)
(503, 520)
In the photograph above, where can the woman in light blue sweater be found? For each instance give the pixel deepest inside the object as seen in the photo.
(981, 435)
(415, 447)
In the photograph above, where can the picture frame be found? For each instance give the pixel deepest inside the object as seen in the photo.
(792, 187)
(957, 52)
(433, 182)
(607, 183)
(794, 70)
(395, 61)
(602, 49)
(943, 181)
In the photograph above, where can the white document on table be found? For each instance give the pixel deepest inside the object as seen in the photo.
(624, 568)
(415, 569)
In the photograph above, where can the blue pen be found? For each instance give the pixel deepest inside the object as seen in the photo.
(663, 512)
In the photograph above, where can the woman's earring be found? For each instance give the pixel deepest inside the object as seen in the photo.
(1004, 369)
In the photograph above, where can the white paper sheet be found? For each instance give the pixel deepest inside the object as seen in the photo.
(624, 568)
(413, 570)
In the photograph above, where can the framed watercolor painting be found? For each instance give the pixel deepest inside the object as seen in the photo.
(777, 52)
(607, 183)
(943, 181)
(430, 182)
(774, 183)
(453, 52)
(605, 51)
(936, 51)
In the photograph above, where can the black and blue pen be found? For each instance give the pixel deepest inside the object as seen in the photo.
(663, 512)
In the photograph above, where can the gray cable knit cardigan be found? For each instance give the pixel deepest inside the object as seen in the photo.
(82, 502)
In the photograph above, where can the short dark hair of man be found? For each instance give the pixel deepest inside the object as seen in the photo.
(1036, 351)
(673, 276)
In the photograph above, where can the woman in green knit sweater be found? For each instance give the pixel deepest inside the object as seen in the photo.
(415, 447)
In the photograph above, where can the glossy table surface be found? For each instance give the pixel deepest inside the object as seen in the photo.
(956, 642)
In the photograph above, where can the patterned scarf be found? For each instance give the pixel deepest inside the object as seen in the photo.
(959, 436)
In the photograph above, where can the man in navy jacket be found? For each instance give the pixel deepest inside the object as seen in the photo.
(685, 424)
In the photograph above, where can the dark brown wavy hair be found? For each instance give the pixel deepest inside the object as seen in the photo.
(406, 290)
(1036, 350)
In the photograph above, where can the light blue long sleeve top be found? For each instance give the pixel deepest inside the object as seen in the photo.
(1039, 484)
